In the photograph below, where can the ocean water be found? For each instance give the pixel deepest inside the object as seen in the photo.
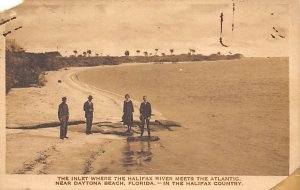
(234, 114)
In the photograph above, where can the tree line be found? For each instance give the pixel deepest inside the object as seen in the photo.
(88, 53)
(24, 69)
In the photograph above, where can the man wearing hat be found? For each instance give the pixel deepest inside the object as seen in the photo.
(88, 107)
(63, 116)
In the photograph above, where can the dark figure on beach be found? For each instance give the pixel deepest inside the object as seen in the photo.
(145, 111)
(128, 112)
(63, 116)
(88, 107)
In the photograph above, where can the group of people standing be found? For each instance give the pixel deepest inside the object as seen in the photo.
(88, 107)
(145, 114)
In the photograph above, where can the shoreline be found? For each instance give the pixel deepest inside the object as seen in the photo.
(108, 105)
(72, 83)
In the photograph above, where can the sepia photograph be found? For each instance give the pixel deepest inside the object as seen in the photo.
(150, 89)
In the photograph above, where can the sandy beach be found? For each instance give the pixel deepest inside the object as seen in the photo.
(40, 151)
(233, 116)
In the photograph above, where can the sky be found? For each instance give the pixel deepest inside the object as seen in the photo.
(111, 27)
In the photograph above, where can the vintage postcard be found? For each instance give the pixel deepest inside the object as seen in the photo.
(159, 94)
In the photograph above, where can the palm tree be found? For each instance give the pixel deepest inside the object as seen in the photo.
(156, 50)
(193, 50)
(97, 54)
(171, 51)
(138, 52)
(163, 54)
(127, 53)
(146, 53)
(84, 54)
(89, 52)
(75, 52)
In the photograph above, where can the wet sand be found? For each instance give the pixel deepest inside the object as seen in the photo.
(234, 113)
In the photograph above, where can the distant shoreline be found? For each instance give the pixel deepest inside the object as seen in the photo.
(24, 69)
(30, 73)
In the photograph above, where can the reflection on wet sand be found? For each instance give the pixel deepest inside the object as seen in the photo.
(138, 151)
(137, 154)
(132, 153)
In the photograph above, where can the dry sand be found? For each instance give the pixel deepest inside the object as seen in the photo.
(234, 117)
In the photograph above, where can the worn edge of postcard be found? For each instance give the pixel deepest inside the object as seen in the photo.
(251, 182)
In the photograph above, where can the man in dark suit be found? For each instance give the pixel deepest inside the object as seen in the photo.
(88, 107)
(63, 116)
(145, 111)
